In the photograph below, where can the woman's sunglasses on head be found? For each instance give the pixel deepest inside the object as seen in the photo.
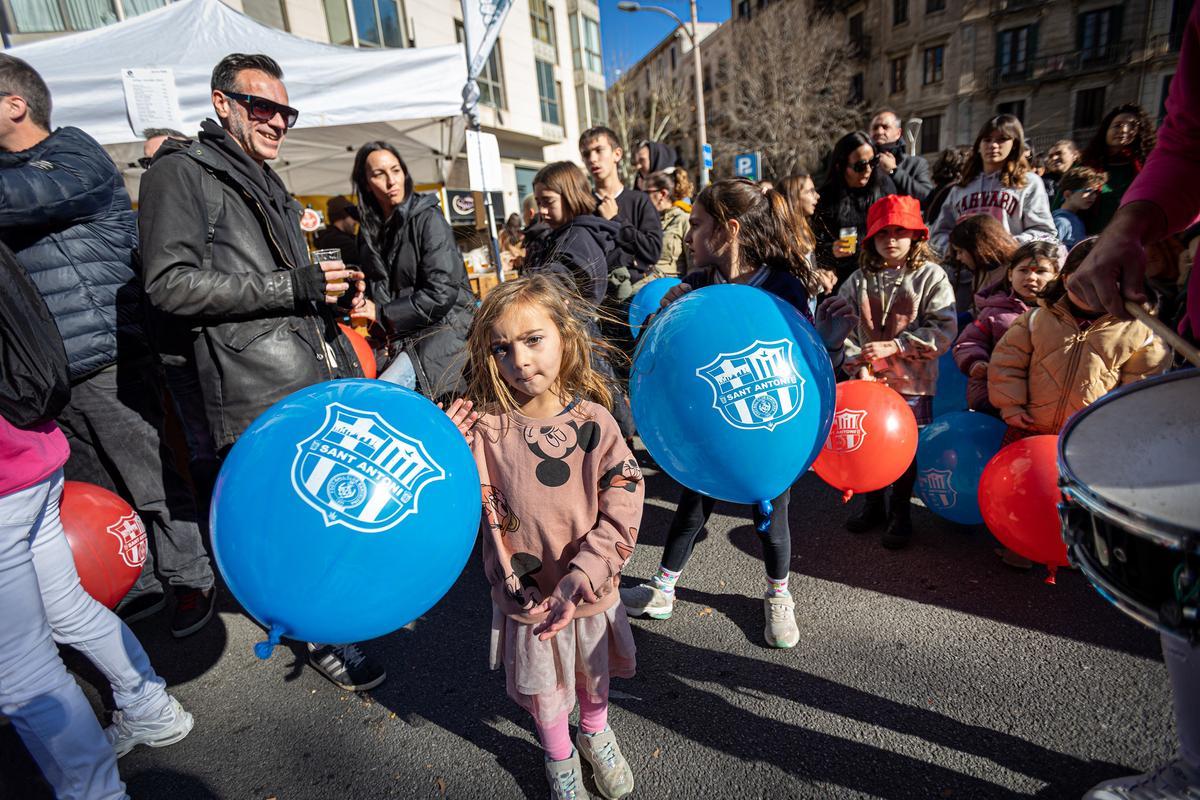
(264, 110)
(862, 166)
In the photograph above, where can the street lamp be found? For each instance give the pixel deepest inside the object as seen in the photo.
(694, 37)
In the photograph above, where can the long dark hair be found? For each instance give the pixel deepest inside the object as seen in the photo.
(372, 218)
(767, 228)
(990, 245)
(1096, 153)
(1016, 166)
(834, 185)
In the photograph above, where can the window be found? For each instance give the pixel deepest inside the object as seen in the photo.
(47, 16)
(1089, 107)
(934, 6)
(525, 177)
(1014, 51)
(934, 61)
(491, 78)
(899, 12)
(136, 7)
(856, 89)
(598, 106)
(541, 20)
(1014, 107)
(548, 94)
(1098, 32)
(589, 52)
(376, 21)
(931, 133)
(898, 70)
(743, 9)
(858, 39)
(337, 17)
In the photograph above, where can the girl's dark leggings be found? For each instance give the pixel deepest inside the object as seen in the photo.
(693, 512)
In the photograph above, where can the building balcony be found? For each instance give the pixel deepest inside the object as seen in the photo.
(999, 7)
(1164, 44)
(1059, 66)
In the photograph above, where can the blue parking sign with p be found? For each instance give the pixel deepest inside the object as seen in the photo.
(745, 165)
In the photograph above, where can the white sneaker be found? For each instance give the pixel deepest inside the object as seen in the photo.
(647, 600)
(780, 612)
(611, 771)
(168, 728)
(566, 778)
(1174, 781)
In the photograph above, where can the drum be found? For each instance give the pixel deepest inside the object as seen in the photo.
(1129, 469)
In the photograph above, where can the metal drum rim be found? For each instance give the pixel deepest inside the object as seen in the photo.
(1073, 488)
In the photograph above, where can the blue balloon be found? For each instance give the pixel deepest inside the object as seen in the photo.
(345, 512)
(732, 392)
(647, 301)
(951, 455)
(951, 387)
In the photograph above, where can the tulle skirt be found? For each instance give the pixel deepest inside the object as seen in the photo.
(543, 677)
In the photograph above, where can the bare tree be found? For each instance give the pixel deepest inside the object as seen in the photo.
(787, 92)
(660, 113)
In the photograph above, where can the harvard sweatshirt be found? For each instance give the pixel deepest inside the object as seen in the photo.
(1023, 211)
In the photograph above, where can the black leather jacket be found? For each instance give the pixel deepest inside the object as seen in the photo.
(220, 239)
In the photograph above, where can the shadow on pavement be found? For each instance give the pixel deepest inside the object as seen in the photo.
(668, 697)
(947, 565)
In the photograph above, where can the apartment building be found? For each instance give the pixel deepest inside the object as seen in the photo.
(1058, 65)
(543, 84)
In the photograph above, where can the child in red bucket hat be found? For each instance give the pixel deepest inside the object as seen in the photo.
(907, 319)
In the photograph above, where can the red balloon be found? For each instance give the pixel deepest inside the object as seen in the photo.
(872, 441)
(1018, 497)
(107, 538)
(366, 356)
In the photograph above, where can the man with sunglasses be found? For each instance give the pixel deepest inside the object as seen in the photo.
(227, 267)
(909, 173)
(64, 211)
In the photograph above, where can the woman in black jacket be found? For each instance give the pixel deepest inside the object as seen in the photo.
(419, 292)
(851, 186)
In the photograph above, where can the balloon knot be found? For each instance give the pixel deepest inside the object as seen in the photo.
(846, 495)
(1052, 572)
(264, 649)
(766, 508)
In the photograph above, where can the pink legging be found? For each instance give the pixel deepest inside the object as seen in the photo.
(556, 737)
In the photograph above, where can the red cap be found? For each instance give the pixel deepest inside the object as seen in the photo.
(896, 209)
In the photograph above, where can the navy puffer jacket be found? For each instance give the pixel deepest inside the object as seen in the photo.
(65, 213)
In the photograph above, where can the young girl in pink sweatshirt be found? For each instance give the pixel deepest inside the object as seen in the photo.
(562, 503)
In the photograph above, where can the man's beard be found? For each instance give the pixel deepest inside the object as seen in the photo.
(241, 132)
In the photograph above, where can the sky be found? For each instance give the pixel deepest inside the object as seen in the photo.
(627, 36)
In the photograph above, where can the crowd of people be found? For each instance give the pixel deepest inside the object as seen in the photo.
(207, 305)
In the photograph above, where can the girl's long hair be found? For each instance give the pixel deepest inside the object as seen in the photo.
(791, 188)
(1096, 153)
(371, 213)
(568, 181)
(1036, 251)
(576, 377)
(767, 227)
(1016, 166)
(834, 186)
(989, 244)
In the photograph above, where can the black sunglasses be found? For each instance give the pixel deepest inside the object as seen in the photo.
(862, 166)
(264, 110)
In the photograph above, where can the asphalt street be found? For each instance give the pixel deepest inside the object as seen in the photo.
(934, 672)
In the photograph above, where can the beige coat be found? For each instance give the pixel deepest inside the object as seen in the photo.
(1047, 368)
(673, 261)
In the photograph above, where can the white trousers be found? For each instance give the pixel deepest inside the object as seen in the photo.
(44, 603)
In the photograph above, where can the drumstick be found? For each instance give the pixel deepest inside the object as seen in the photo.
(1162, 329)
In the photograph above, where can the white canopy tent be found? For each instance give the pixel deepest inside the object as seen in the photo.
(346, 96)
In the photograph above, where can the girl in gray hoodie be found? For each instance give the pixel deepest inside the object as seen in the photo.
(999, 183)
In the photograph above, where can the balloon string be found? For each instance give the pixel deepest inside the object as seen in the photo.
(264, 649)
(766, 508)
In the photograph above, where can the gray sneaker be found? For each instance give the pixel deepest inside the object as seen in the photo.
(1174, 781)
(780, 612)
(566, 778)
(611, 771)
(168, 728)
(647, 600)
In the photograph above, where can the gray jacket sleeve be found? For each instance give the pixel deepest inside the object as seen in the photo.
(173, 227)
(912, 177)
(1036, 220)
